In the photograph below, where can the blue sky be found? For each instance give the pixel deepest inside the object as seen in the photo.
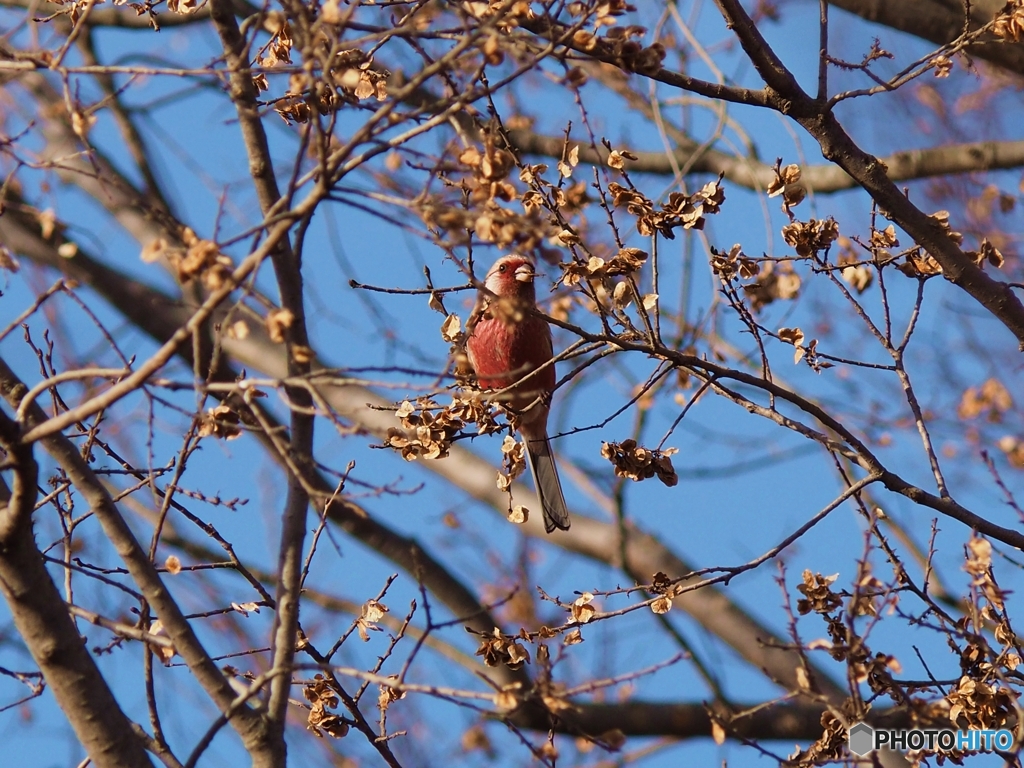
(715, 520)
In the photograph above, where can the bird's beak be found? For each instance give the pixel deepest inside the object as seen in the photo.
(525, 274)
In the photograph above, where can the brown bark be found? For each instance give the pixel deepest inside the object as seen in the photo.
(941, 23)
(47, 629)
(289, 280)
(247, 722)
(824, 178)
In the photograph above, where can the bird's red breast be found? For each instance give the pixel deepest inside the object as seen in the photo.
(503, 353)
(506, 342)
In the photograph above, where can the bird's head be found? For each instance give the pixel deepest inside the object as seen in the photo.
(512, 276)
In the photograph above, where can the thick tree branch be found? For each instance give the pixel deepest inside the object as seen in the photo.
(941, 24)
(646, 555)
(287, 269)
(928, 232)
(159, 316)
(131, 383)
(784, 721)
(787, 721)
(785, 95)
(463, 48)
(46, 627)
(248, 723)
(749, 171)
(825, 178)
(603, 51)
(837, 146)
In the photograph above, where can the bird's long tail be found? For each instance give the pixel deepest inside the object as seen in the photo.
(549, 489)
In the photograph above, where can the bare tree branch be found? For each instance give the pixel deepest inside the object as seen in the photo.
(156, 314)
(289, 281)
(424, 118)
(821, 179)
(786, 721)
(46, 627)
(837, 145)
(248, 723)
(597, 540)
(940, 23)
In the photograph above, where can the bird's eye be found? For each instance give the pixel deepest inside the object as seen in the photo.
(503, 267)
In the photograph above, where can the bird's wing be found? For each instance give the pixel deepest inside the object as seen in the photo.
(479, 311)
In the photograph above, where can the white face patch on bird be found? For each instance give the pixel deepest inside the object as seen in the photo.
(512, 275)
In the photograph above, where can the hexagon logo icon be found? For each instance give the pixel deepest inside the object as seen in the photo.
(861, 738)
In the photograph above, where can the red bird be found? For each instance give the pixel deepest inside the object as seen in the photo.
(507, 345)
